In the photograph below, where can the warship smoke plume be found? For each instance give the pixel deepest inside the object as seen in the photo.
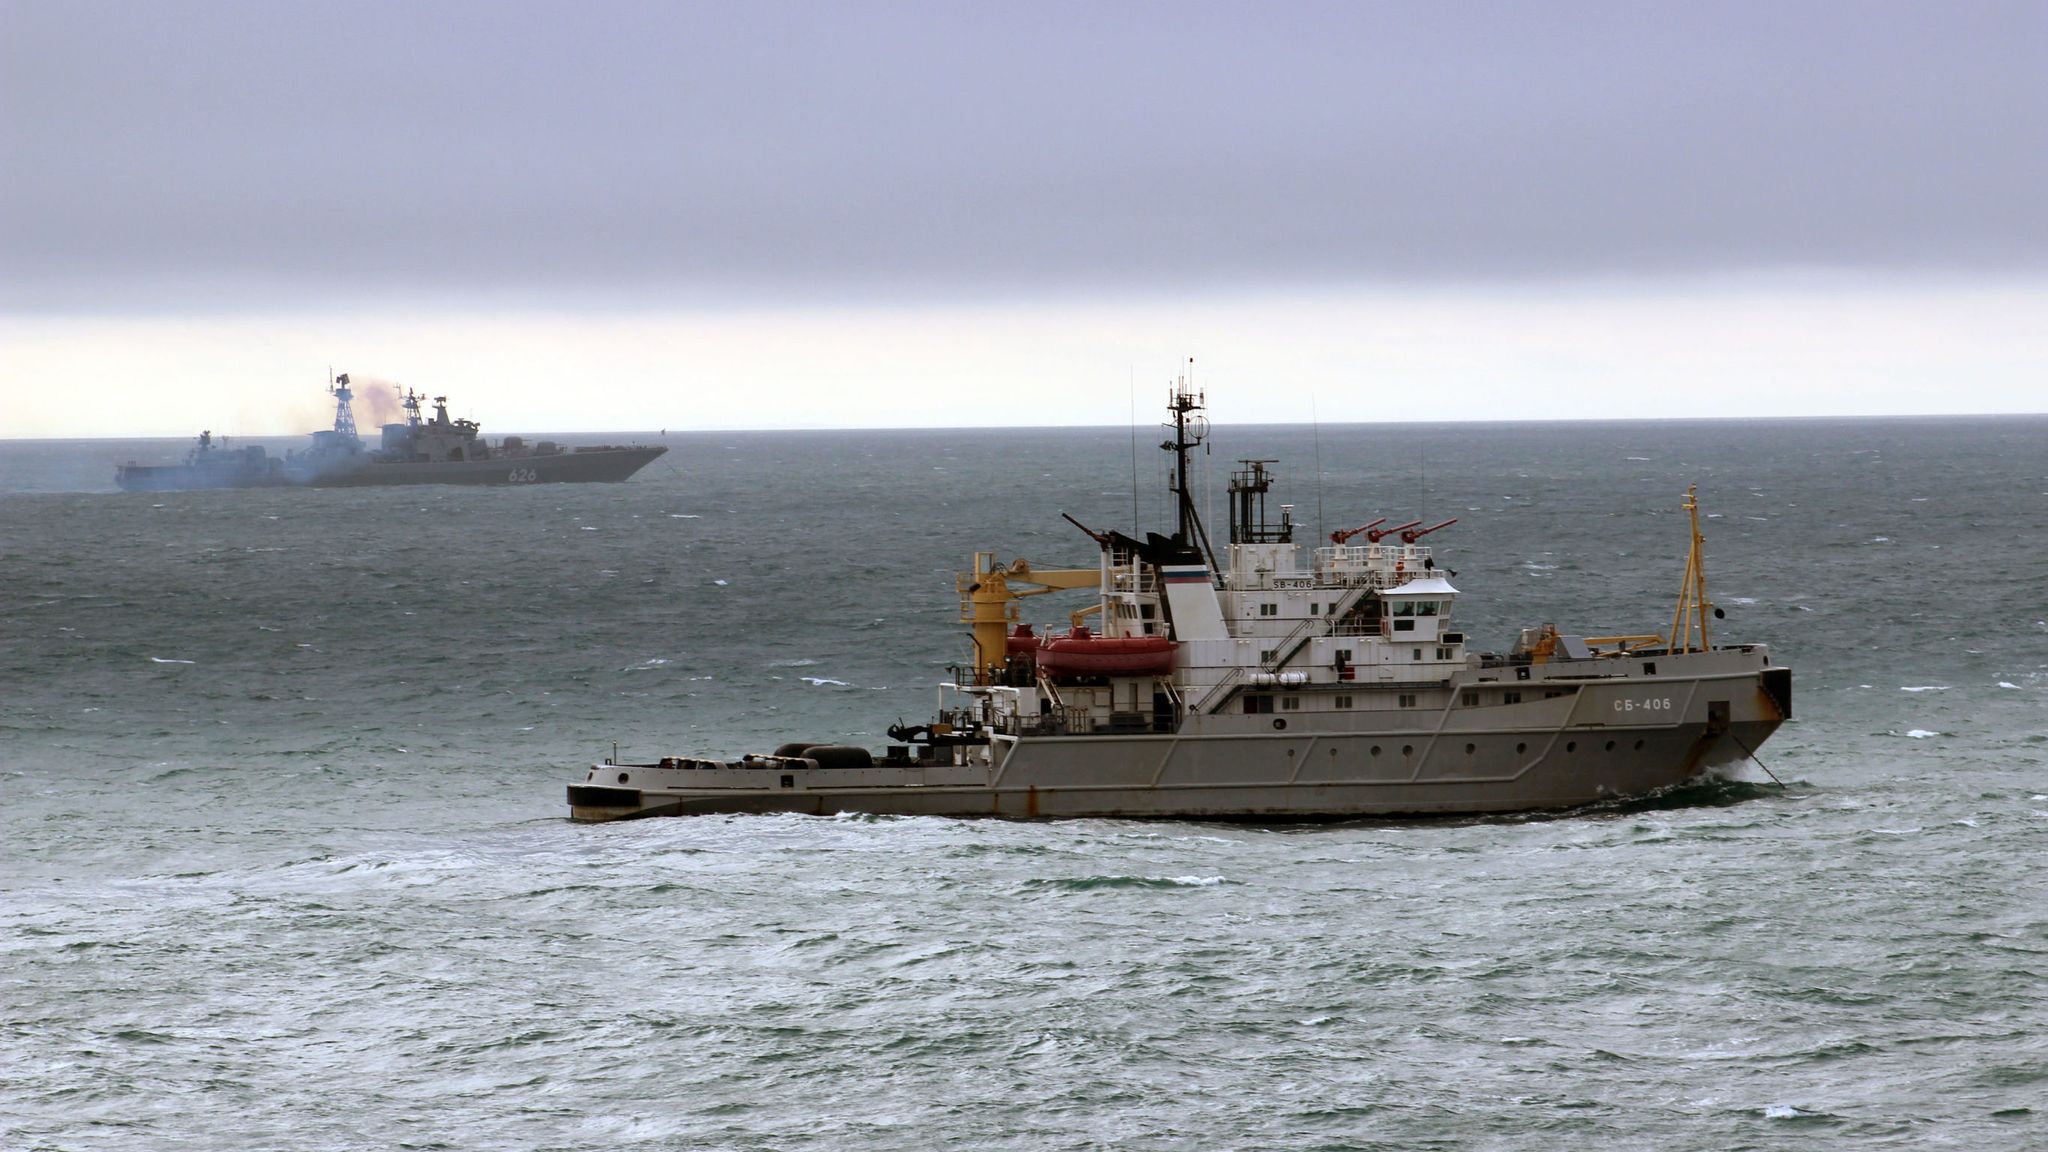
(376, 402)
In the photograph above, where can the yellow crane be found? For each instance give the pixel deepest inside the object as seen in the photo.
(989, 596)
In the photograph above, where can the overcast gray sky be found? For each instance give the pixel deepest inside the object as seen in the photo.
(225, 159)
(152, 149)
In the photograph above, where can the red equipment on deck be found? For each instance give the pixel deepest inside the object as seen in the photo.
(1082, 653)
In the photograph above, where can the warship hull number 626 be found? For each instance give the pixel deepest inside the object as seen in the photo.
(1251, 682)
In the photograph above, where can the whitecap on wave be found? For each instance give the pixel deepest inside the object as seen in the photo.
(166, 660)
(1926, 688)
(821, 681)
(1921, 733)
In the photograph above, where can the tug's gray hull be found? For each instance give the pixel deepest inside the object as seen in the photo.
(1591, 744)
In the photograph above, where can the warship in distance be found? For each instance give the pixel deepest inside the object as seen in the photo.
(1243, 683)
(416, 450)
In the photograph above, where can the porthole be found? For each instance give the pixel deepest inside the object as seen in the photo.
(1571, 746)
(624, 776)
(1407, 749)
(1639, 745)
(1521, 748)
(1375, 749)
(1471, 748)
(1610, 745)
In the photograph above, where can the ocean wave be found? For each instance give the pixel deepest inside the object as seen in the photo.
(167, 660)
(1093, 883)
(1926, 688)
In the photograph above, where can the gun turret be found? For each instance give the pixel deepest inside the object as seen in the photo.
(1410, 535)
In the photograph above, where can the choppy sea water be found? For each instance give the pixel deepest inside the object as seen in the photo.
(284, 863)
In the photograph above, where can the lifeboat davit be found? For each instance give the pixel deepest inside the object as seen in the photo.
(1083, 653)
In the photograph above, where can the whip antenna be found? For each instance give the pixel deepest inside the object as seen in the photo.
(1134, 448)
(1316, 430)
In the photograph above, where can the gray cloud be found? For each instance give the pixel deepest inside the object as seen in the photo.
(158, 154)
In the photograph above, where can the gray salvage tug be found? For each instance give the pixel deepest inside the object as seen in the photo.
(1239, 684)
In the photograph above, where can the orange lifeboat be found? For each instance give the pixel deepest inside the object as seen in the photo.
(1083, 653)
(1021, 641)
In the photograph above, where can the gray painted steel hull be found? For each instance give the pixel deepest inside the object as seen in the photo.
(1543, 755)
(571, 467)
(599, 466)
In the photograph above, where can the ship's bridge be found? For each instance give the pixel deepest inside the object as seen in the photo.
(1419, 609)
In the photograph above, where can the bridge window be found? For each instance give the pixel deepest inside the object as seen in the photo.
(1343, 701)
(1269, 609)
(1511, 697)
(1425, 607)
(1407, 700)
(1289, 703)
(1443, 653)
(1469, 699)
(1256, 703)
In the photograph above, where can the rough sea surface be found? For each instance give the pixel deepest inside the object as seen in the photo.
(284, 860)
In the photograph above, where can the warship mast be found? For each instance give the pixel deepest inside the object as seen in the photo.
(344, 411)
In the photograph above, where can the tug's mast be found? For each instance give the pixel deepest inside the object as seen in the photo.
(1190, 429)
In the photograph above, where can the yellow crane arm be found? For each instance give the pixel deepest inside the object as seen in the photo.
(989, 595)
